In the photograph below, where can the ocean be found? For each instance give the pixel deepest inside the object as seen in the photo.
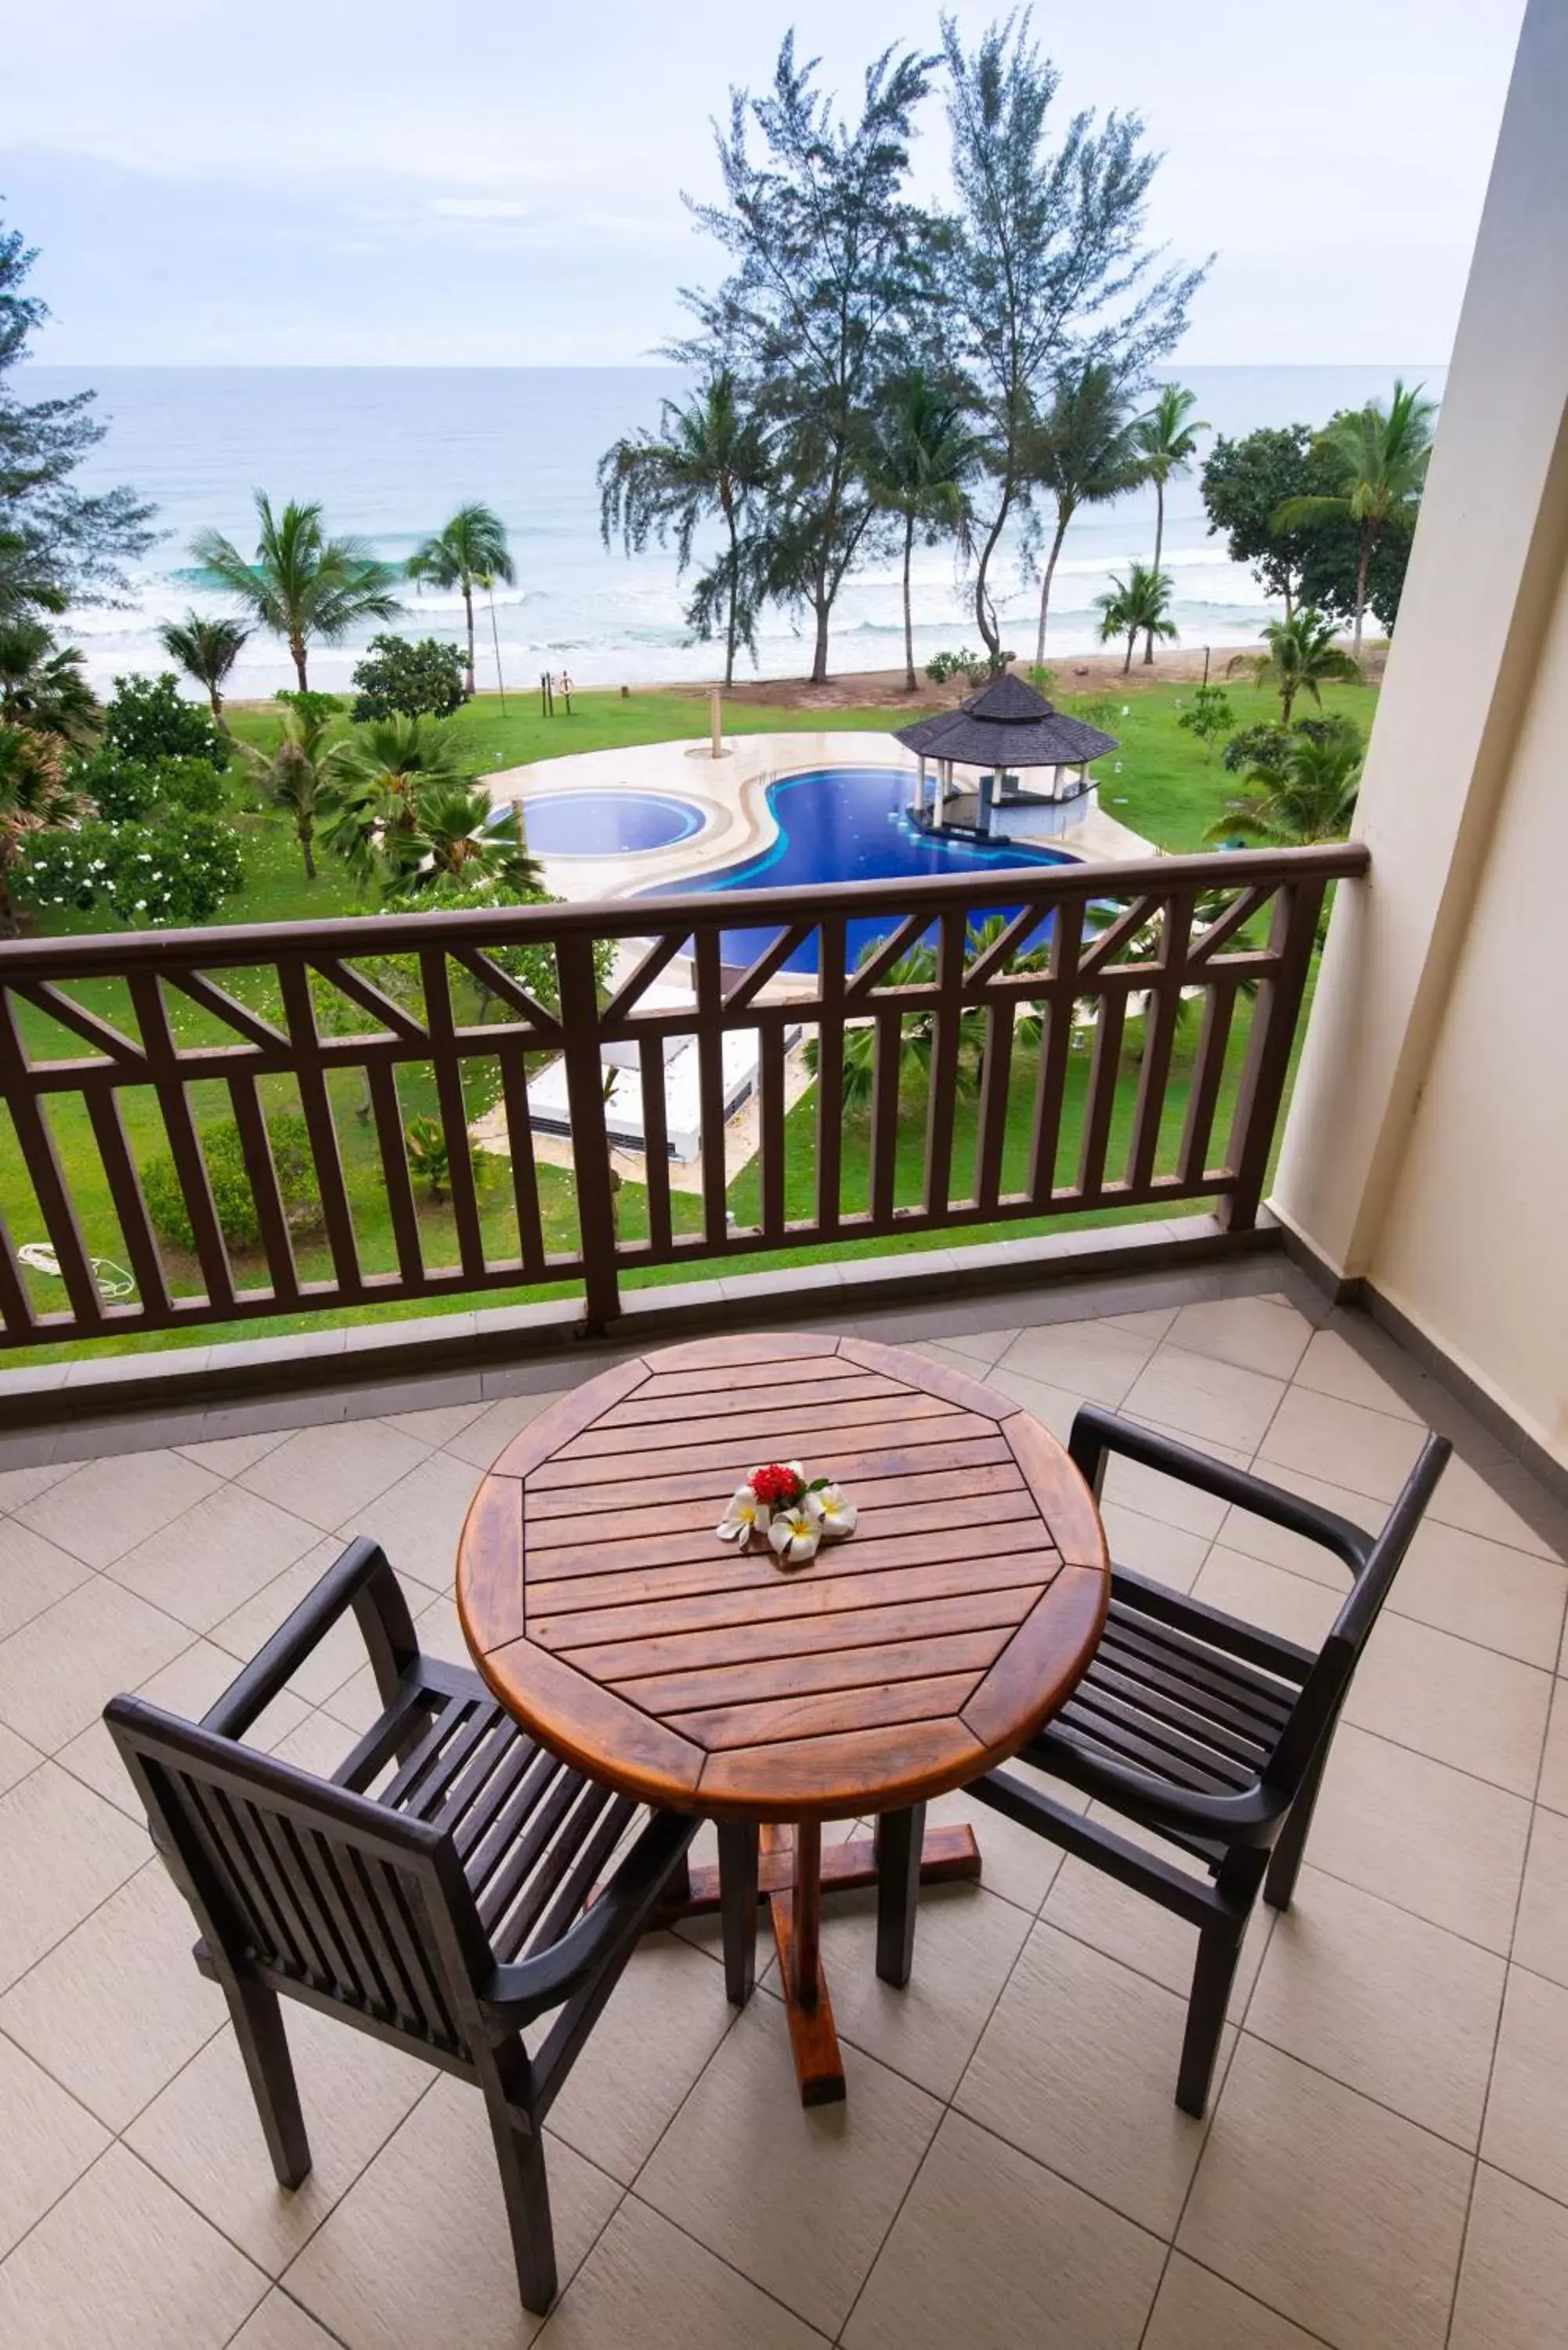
(391, 452)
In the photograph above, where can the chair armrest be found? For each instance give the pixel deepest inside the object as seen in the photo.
(1097, 1431)
(530, 1986)
(1244, 1817)
(361, 1579)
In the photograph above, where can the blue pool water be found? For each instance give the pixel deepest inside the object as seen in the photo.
(848, 824)
(606, 824)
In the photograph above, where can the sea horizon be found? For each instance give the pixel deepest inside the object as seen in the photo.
(390, 450)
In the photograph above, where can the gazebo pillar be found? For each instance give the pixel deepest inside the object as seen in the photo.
(921, 785)
(944, 770)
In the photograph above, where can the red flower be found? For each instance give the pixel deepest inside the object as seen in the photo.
(776, 1485)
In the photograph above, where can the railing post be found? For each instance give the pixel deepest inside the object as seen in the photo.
(1275, 1015)
(590, 1132)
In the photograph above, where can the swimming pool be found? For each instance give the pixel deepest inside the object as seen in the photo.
(606, 824)
(848, 824)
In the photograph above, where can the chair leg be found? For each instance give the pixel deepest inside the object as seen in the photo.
(519, 2140)
(257, 2017)
(899, 1839)
(1289, 1845)
(1219, 1948)
(738, 1857)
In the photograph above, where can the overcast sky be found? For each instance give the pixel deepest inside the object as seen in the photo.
(497, 182)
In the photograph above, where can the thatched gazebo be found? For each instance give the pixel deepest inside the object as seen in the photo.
(1003, 732)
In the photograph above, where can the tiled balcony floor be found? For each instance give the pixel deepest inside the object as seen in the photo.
(1386, 2166)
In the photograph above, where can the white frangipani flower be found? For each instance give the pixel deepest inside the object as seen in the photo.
(795, 1534)
(839, 1514)
(743, 1516)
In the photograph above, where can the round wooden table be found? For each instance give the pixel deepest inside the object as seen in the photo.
(606, 1615)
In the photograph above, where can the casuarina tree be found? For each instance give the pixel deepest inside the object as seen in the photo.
(919, 465)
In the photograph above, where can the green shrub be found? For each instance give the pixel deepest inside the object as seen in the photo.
(125, 790)
(176, 872)
(942, 666)
(311, 706)
(399, 676)
(233, 1197)
(149, 719)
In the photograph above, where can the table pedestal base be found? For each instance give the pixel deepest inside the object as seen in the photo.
(793, 1872)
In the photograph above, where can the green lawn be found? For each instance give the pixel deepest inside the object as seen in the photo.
(1166, 789)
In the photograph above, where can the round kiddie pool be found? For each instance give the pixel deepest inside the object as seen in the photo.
(606, 824)
(848, 824)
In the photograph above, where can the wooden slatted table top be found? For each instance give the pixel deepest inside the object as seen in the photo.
(606, 1615)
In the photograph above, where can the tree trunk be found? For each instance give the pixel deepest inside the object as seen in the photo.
(819, 656)
(467, 610)
(216, 699)
(910, 680)
(1158, 545)
(297, 647)
(307, 851)
(990, 635)
(1287, 702)
(734, 591)
(1063, 517)
(1132, 640)
(1363, 561)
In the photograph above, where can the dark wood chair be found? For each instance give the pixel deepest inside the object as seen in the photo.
(1205, 1730)
(434, 1892)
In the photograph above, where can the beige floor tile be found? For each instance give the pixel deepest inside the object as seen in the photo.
(1483, 1591)
(225, 1456)
(1151, 1323)
(1382, 2002)
(646, 2284)
(798, 2201)
(1153, 1495)
(336, 1656)
(418, 2251)
(1464, 1498)
(20, 1485)
(16, 1758)
(1369, 1453)
(280, 2324)
(1333, 1367)
(1077, 2067)
(1328, 2209)
(1053, 1408)
(1525, 2131)
(1254, 1333)
(192, 1681)
(979, 1346)
(1446, 1698)
(217, 1557)
(1087, 1359)
(966, 1940)
(1087, 1904)
(1513, 2280)
(105, 1507)
(436, 1424)
(418, 1520)
(325, 1473)
(993, 2251)
(1553, 1787)
(33, 1573)
(59, 1672)
(1261, 1538)
(202, 2133)
(317, 1743)
(62, 1851)
(116, 2009)
(666, 2016)
(1151, 1547)
(1272, 1597)
(46, 2142)
(1015, 1863)
(1211, 1401)
(1199, 2311)
(1540, 1933)
(121, 2259)
(1433, 1840)
(497, 1424)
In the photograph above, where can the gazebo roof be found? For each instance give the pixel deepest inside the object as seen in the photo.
(1006, 724)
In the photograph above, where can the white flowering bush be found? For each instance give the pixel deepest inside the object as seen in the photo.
(175, 872)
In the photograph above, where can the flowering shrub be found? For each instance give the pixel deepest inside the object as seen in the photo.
(230, 1184)
(176, 871)
(149, 719)
(126, 791)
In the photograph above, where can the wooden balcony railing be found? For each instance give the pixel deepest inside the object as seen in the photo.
(231, 1123)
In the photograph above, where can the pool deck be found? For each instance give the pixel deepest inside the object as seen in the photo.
(731, 791)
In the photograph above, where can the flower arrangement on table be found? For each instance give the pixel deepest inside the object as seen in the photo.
(792, 1513)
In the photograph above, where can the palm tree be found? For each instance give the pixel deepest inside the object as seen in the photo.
(1165, 440)
(921, 456)
(468, 552)
(35, 796)
(378, 775)
(458, 837)
(301, 583)
(1084, 451)
(709, 456)
(1382, 454)
(1139, 605)
(297, 776)
(206, 651)
(42, 687)
(1302, 658)
(1312, 797)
